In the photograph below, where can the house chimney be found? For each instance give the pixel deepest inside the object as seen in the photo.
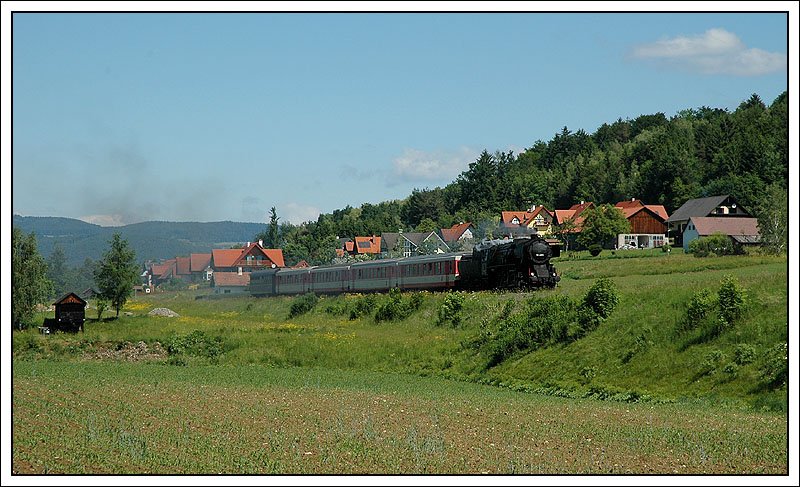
(633, 199)
(581, 201)
(240, 271)
(260, 243)
(248, 244)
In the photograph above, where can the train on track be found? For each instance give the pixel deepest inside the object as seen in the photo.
(521, 263)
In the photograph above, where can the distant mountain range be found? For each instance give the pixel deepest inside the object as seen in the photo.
(150, 240)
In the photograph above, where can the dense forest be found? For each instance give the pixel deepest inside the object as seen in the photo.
(659, 160)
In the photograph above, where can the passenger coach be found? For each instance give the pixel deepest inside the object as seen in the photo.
(424, 272)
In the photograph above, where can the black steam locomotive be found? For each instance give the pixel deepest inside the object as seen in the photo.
(519, 263)
(522, 263)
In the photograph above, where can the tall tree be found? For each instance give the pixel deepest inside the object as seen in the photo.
(29, 283)
(773, 219)
(272, 237)
(117, 273)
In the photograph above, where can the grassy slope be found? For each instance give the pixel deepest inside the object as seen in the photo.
(654, 290)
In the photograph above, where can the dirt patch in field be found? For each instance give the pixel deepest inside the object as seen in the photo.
(127, 351)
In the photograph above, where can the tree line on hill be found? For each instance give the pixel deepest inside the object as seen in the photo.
(659, 160)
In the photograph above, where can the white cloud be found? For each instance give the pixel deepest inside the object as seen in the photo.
(717, 51)
(441, 166)
(297, 214)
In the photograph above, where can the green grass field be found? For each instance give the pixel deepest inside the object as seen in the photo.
(235, 386)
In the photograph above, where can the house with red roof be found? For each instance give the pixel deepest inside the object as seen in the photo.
(460, 232)
(252, 256)
(200, 267)
(359, 246)
(648, 225)
(538, 220)
(574, 216)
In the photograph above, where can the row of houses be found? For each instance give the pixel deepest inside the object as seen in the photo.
(651, 226)
(228, 270)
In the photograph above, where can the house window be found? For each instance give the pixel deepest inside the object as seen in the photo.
(515, 221)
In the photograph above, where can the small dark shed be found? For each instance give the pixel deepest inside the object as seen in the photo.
(70, 313)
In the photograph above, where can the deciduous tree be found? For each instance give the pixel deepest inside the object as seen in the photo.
(29, 283)
(117, 273)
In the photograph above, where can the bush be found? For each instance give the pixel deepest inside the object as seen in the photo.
(396, 308)
(699, 307)
(303, 304)
(775, 366)
(595, 249)
(713, 245)
(363, 306)
(731, 299)
(450, 310)
(711, 361)
(195, 344)
(744, 354)
(602, 297)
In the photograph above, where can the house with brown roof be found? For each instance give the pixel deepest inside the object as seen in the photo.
(230, 282)
(648, 225)
(723, 206)
(742, 231)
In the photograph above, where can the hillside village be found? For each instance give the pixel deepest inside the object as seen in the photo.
(227, 271)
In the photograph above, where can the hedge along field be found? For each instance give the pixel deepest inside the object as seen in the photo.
(120, 418)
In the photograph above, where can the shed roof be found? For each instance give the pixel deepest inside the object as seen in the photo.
(232, 279)
(707, 225)
(70, 298)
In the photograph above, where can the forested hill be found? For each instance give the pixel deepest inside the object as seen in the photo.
(657, 159)
(150, 240)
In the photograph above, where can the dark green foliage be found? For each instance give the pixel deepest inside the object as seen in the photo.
(363, 307)
(117, 273)
(450, 310)
(711, 361)
(195, 344)
(744, 354)
(713, 245)
(731, 299)
(774, 368)
(699, 309)
(595, 249)
(601, 225)
(303, 304)
(773, 219)
(546, 321)
(29, 283)
(397, 308)
(602, 297)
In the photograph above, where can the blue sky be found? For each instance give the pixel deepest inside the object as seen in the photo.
(208, 117)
